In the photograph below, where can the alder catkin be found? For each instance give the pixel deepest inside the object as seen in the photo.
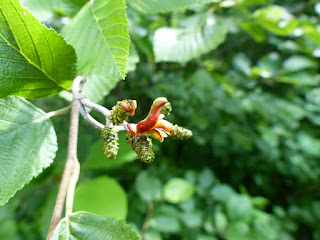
(180, 133)
(117, 114)
(142, 146)
(110, 141)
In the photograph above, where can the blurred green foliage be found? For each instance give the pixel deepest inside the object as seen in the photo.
(252, 168)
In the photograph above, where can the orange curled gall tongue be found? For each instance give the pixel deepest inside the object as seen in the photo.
(153, 116)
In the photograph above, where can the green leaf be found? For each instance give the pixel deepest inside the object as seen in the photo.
(47, 10)
(222, 192)
(297, 63)
(184, 44)
(167, 224)
(103, 196)
(84, 225)
(35, 61)
(103, 49)
(28, 144)
(159, 6)
(239, 206)
(177, 190)
(255, 30)
(148, 187)
(276, 19)
(206, 178)
(73, 6)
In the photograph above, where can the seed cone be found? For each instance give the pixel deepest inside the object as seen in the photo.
(180, 133)
(110, 141)
(142, 146)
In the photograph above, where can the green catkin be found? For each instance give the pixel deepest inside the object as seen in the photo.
(117, 114)
(110, 141)
(180, 133)
(166, 109)
(142, 146)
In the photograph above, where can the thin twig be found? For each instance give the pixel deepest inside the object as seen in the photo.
(84, 102)
(146, 222)
(58, 112)
(68, 170)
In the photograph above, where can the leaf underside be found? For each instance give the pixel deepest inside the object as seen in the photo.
(28, 144)
(184, 44)
(161, 6)
(100, 35)
(85, 226)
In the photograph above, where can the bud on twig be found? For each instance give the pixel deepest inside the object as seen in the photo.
(142, 146)
(122, 110)
(180, 133)
(110, 141)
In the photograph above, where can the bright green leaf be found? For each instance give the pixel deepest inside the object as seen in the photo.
(84, 225)
(276, 19)
(28, 144)
(177, 190)
(148, 187)
(159, 6)
(35, 61)
(255, 30)
(104, 48)
(103, 196)
(184, 44)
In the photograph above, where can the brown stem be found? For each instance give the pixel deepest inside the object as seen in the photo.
(146, 222)
(68, 170)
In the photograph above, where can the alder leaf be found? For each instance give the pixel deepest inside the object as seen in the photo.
(34, 61)
(161, 6)
(28, 144)
(100, 35)
(84, 225)
(103, 196)
(184, 44)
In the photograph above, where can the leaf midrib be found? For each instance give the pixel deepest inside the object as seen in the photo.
(18, 50)
(43, 116)
(105, 40)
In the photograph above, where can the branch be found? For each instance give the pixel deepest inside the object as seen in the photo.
(72, 186)
(68, 170)
(84, 102)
